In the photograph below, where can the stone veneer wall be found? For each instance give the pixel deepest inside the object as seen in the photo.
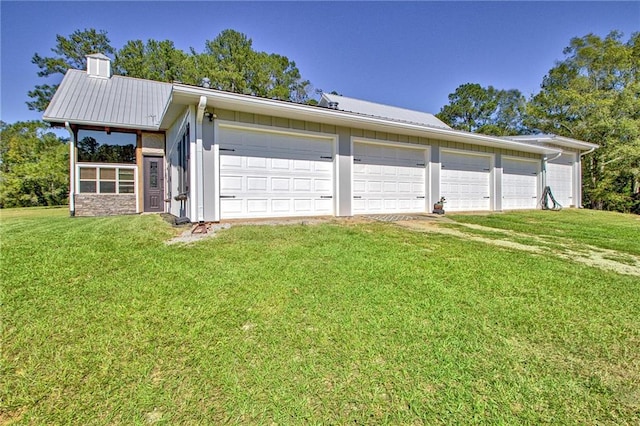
(105, 204)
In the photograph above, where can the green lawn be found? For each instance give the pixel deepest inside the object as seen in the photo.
(338, 323)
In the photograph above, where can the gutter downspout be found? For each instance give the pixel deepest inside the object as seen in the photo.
(545, 160)
(580, 155)
(72, 169)
(199, 160)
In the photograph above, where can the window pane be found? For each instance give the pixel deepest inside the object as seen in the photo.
(107, 174)
(125, 174)
(99, 147)
(87, 186)
(107, 187)
(153, 174)
(126, 188)
(87, 173)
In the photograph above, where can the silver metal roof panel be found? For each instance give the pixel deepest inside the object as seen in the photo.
(113, 102)
(373, 109)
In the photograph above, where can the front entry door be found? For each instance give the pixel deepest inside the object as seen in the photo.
(153, 184)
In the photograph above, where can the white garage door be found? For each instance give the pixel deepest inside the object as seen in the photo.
(388, 179)
(519, 184)
(465, 181)
(274, 175)
(560, 179)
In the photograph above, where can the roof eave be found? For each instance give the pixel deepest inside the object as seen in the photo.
(62, 120)
(252, 104)
(557, 140)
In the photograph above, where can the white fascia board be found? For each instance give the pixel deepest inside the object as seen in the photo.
(558, 140)
(100, 124)
(252, 104)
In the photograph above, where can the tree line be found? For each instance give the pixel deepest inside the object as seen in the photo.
(591, 95)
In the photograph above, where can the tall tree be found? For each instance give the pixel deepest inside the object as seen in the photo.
(70, 52)
(33, 166)
(229, 61)
(232, 64)
(592, 95)
(153, 60)
(487, 110)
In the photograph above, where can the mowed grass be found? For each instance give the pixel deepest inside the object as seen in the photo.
(339, 323)
(607, 230)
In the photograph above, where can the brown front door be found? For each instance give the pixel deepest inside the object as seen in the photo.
(153, 184)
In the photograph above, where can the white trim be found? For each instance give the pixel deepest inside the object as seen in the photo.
(193, 172)
(336, 176)
(199, 183)
(216, 173)
(116, 166)
(351, 176)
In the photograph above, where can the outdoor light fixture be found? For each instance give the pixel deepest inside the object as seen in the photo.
(209, 115)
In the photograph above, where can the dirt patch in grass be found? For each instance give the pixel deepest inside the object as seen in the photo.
(565, 248)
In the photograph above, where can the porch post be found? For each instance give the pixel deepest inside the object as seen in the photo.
(72, 169)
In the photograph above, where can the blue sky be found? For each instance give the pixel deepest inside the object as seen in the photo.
(408, 54)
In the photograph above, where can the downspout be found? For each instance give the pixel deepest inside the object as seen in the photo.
(580, 155)
(545, 160)
(199, 160)
(72, 169)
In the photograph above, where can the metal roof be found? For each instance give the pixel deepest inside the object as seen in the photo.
(111, 102)
(373, 109)
(144, 105)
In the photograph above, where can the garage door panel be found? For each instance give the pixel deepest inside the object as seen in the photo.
(322, 185)
(264, 174)
(388, 179)
(374, 187)
(465, 181)
(257, 184)
(519, 184)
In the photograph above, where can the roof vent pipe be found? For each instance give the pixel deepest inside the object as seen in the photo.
(333, 105)
(206, 83)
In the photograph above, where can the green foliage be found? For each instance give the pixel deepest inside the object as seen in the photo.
(229, 61)
(487, 110)
(70, 52)
(592, 95)
(153, 60)
(34, 166)
(232, 64)
(90, 150)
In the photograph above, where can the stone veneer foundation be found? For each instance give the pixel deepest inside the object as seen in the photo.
(105, 204)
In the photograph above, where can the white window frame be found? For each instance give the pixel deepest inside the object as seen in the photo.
(118, 167)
